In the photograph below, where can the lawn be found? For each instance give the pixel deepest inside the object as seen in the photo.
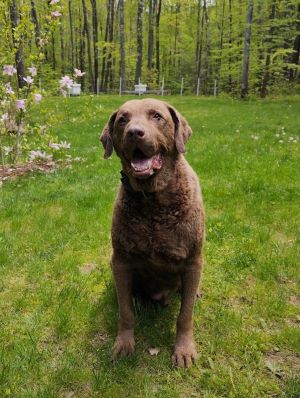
(58, 308)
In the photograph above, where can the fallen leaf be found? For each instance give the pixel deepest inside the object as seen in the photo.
(153, 351)
(87, 268)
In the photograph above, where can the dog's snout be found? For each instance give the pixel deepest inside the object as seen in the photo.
(136, 132)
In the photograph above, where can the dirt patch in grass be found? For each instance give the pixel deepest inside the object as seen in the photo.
(99, 339)
(282, 364)
(7, 173)
(295, 300)
(87, 268)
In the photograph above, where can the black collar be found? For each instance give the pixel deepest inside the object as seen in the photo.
(128, 188)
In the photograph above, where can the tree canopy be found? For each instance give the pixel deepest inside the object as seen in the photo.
(200, 41)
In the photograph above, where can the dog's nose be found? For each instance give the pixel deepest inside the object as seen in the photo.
(136, 132)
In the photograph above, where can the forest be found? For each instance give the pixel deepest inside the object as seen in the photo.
(240, 47)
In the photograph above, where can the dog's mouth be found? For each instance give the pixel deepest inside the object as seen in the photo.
(144, 166)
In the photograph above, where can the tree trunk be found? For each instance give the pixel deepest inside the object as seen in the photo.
(294, 58)
(62, 48)
(139, 50)
(150, 36)
(82, 52)
(107, 51)
(221, 41)
(53, 51)
(108, 72)
(199, 41)
(207, 46)
(35, 21)
(88, 39)
(15, 20)
(122, 45)
(266, 74)
(246, 55)
(72, 35)
(95, 42)
(104, 51)
(177, 11)
(157, 39)
(230, 47)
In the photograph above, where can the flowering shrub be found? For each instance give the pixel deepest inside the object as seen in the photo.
(66, 81)
(20, 139)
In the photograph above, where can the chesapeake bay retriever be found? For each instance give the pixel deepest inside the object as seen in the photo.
(158, 219)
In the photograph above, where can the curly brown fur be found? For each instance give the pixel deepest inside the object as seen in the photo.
(158, 225)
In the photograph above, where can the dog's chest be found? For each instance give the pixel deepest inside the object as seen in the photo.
(160, 234)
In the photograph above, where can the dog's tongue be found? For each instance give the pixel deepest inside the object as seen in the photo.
(141, 164)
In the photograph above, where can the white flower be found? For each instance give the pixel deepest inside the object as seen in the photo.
(5, 117)
(39, 155)
(255, 137)
(280, 142)
(28, 79)
(237, 130)
(54, 146)
(277, 135)
(7, 150)
(52, 2)
(78, 73)
(66, 81)
(65, 145)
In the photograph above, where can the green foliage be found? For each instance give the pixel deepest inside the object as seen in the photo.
(275, 27)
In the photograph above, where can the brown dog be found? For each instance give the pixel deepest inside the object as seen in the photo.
(158, 220)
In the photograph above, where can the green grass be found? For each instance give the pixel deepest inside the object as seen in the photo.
(58, 311)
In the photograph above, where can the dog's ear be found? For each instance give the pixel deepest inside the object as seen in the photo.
(182, 129)
(106, 136)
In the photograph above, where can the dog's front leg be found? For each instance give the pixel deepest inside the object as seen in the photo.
(185, 349)
(124, 343)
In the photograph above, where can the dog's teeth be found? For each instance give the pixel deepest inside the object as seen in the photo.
(141, 164)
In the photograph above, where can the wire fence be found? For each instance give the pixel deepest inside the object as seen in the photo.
(116, 87)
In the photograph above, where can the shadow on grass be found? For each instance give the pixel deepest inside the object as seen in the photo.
(155, 327)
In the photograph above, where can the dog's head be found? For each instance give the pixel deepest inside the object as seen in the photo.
(147, 135)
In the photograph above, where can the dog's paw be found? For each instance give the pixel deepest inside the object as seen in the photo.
(124, 344)
(184, 354)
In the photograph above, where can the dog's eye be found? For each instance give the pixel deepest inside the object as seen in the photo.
(157, 116)
(122, 120)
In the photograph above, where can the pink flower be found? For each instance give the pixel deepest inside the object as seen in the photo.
(20, 104)
(9, 70)
(52, 2)
(32, 70)
(8, 89)
(28, 80)
(66, 81)
(55, 14)
(37, 98)
(78, 73)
